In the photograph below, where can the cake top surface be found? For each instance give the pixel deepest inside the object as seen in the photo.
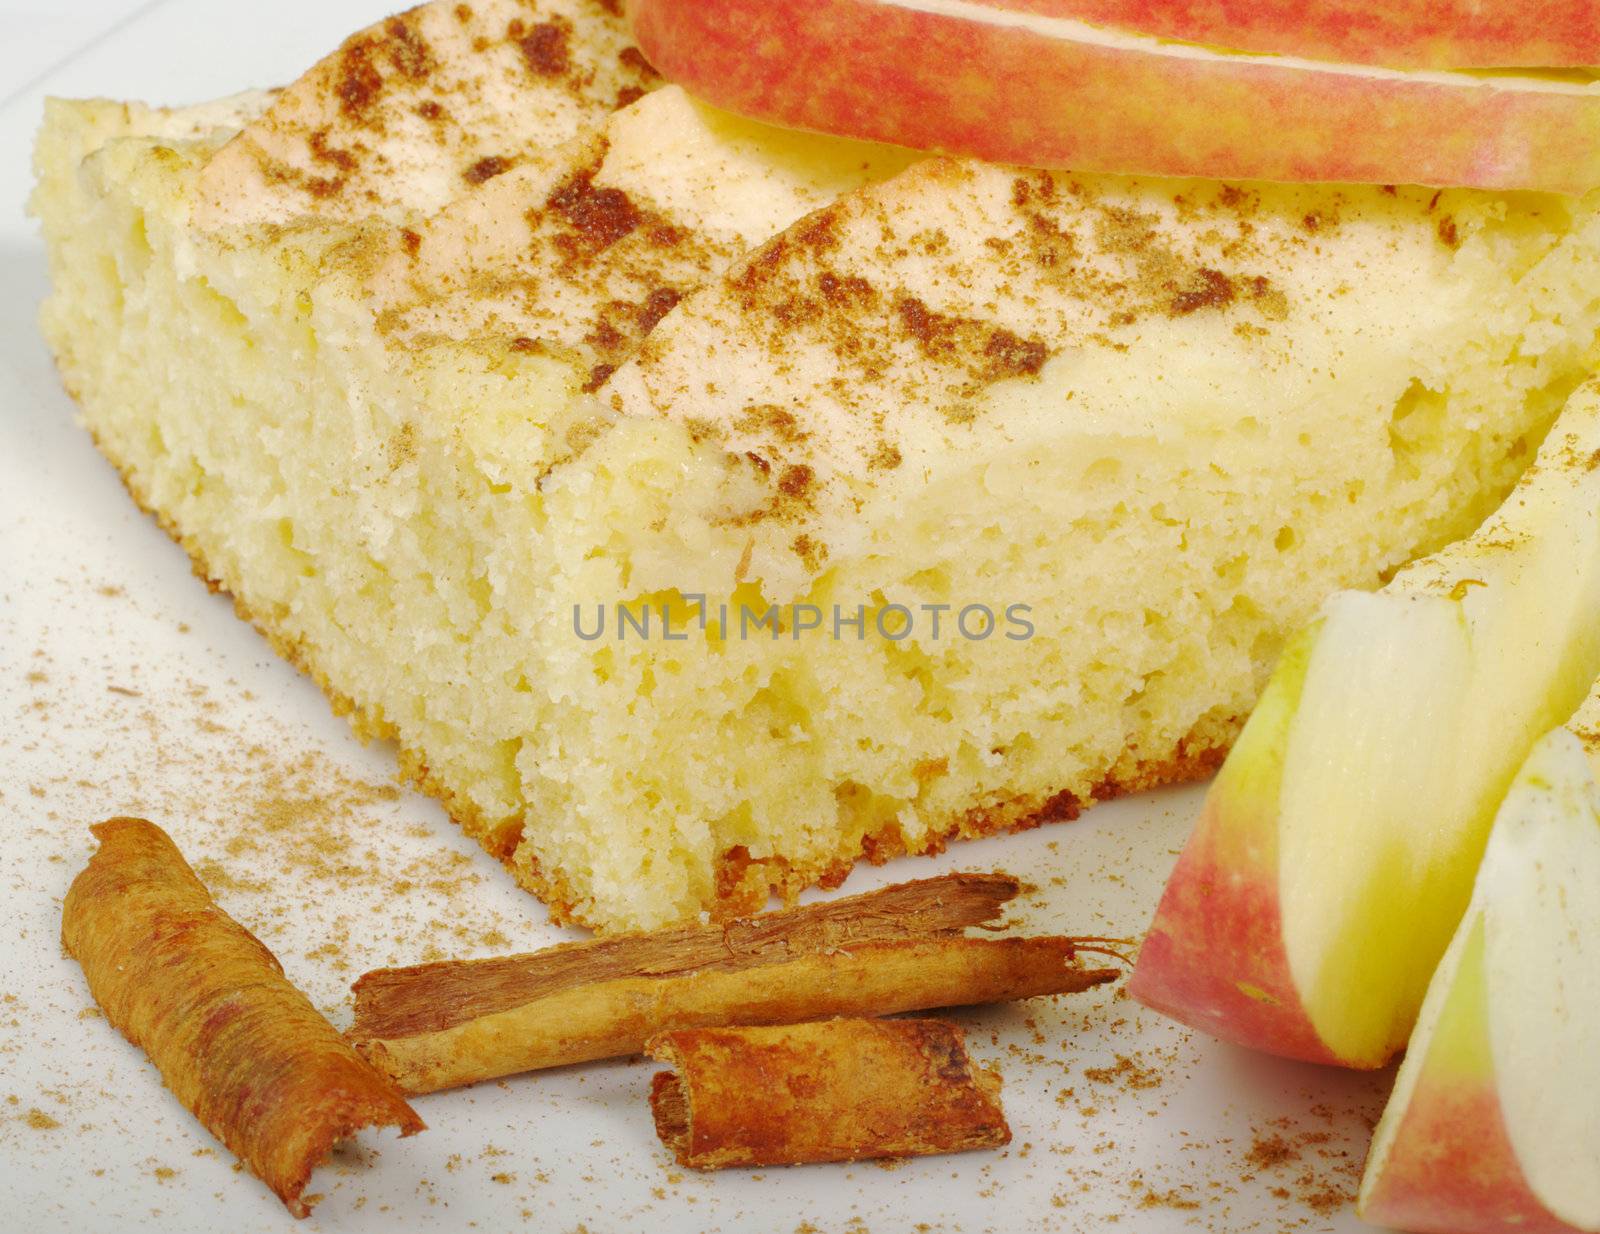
(833, 319)
(584, 248)
(412, 110)
(960, 301)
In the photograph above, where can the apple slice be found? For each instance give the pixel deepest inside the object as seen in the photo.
(973, 78)
(1494, 1124)
(1336, 850)
(1442, 34)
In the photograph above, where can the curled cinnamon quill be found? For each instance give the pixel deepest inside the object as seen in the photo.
(836, 1090)
(239, 1046)
(899, 949)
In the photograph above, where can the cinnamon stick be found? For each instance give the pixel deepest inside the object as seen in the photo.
(851, 1089)
(902, 948)
(239, 1046)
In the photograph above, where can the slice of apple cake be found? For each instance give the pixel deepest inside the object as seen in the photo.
(702, 507)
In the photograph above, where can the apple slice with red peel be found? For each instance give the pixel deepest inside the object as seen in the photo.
(970, 78)
(1441, 34)
(1494, 1124)
(1336, 850)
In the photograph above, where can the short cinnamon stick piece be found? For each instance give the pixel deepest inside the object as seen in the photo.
(899, 949)
(838, 1090)
(238, 1045)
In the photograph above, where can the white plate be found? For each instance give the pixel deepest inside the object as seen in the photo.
(126, 688)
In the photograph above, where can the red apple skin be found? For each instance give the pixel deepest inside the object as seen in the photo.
(1450, 1166)
(1214, 959)
(1453, 1170)
(1438, 34)
(864, 68)
(1214, 956)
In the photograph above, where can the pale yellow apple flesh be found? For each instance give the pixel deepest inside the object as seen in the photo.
(1010, 86)
(1336, 850)
(1494, 1124)
(1444, 34)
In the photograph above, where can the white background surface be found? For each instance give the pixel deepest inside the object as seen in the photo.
(125, 687)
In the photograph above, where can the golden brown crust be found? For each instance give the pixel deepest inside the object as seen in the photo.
(839, 1090)
(743, 885)
(239, 1046)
